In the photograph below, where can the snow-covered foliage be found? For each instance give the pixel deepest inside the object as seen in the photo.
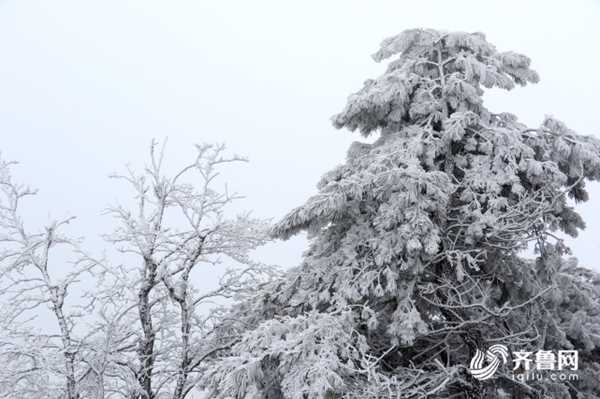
(413, 262)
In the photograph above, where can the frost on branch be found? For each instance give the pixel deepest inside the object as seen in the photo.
(177, 228)
(150, 327)
(415, 242)
(435, 70)
(32, 277)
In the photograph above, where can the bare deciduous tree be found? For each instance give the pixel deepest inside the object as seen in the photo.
(31, 278)
(177, 227)
(147, 334)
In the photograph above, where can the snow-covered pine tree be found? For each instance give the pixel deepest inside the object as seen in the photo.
(414, 261)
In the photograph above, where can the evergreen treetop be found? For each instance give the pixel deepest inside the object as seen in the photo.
(414, 263)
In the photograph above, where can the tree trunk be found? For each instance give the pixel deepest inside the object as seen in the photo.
(146, 344)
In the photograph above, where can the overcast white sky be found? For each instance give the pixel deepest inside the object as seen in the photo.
(86, 85)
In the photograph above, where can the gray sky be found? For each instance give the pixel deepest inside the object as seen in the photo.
(86, 85)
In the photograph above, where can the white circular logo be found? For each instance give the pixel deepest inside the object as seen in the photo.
(476, 366)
